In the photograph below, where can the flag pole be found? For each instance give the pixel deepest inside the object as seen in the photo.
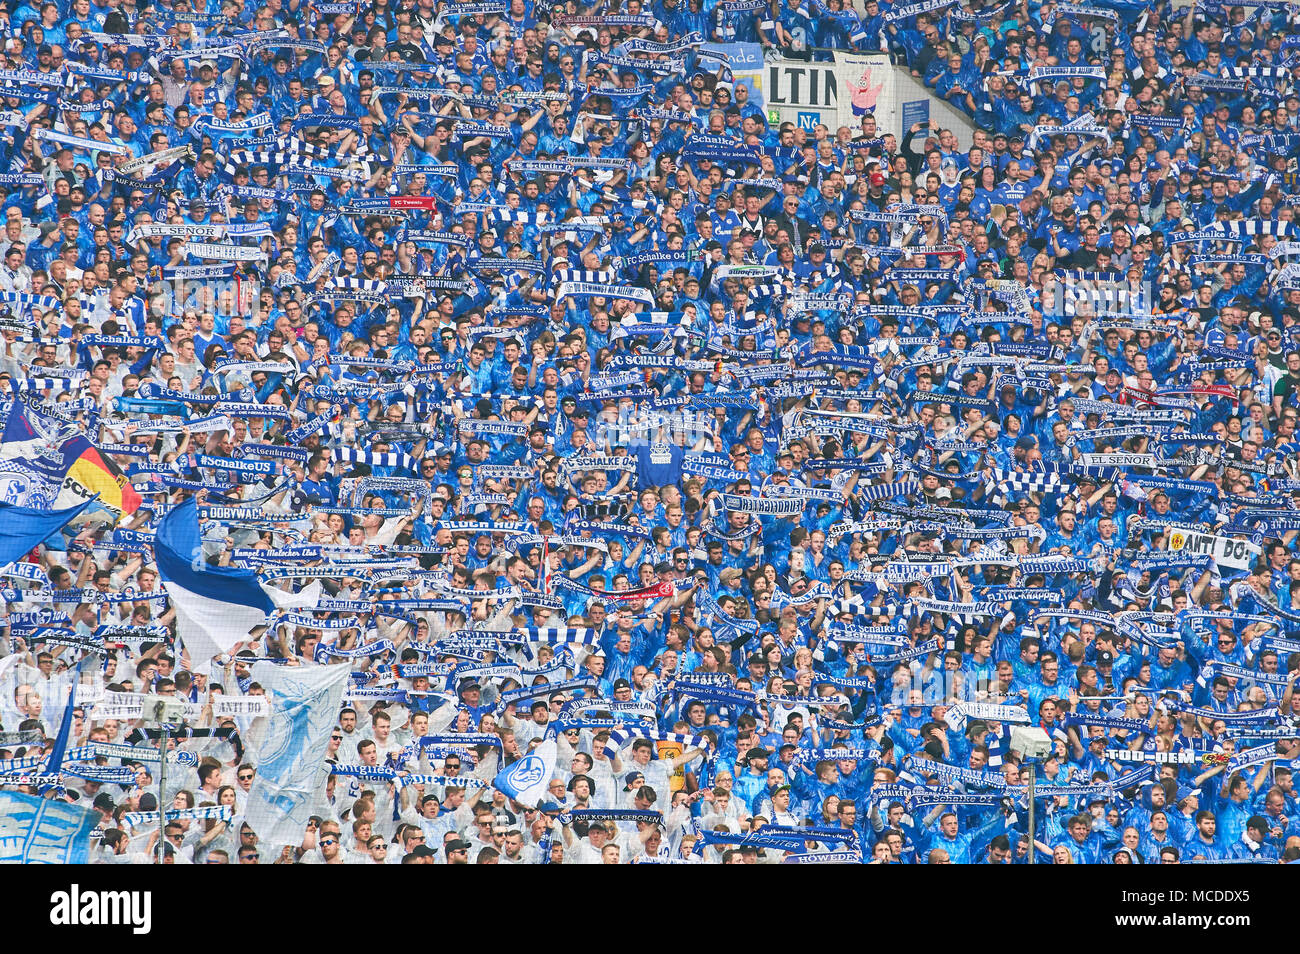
(1032, 832)
(162, 788)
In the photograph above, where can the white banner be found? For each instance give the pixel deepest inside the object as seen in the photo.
(305, 704)
(569, 289)
(129, 706)
(225, 253)
(228, 707)
(1117, 460)
(840, 93)
(1227, 551)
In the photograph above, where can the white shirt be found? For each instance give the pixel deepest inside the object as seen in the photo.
(15, 280)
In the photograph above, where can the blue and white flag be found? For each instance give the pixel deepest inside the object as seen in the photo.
(41, 831)
(305, 703)
(54, 762)
(526, 780)
(22, 528)
(215, 606)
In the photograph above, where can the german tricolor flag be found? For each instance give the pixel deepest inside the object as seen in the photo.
(90, 473)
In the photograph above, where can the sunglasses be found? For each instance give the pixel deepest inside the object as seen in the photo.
(329, 841)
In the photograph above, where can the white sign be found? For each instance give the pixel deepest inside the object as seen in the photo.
(1227, 551)
(840, 93)
(803, 93)
(230, 706)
